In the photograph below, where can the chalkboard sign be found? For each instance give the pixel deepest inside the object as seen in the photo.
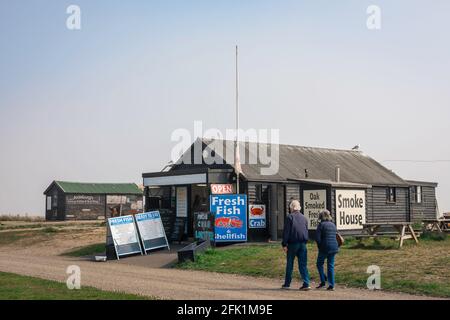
(124, 235)
(168, 220)
(178, 229)
(204, 226)
(151, 230)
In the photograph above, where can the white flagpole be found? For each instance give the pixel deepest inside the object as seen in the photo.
(236, 150)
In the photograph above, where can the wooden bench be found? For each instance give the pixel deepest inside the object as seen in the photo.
(440, 225)
(403, 231)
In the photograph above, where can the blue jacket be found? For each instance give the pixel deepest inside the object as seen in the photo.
(326, 237)
(295, 229)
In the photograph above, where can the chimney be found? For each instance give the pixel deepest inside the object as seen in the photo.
(337, 176)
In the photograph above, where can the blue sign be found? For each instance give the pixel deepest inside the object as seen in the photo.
(121, 220)
(147, 216)
(231, 217)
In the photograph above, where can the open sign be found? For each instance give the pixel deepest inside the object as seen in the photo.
(221, 188)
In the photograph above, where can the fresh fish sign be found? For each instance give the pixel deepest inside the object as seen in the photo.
(231, 217)
(257, 216)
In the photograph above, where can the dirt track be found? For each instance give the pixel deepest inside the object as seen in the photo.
(41, 259)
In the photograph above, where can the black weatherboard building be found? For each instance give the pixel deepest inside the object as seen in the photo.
(353, 186)
(91, 201)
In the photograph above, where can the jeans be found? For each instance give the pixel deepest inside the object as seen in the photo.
(297, 250)
(330, 268)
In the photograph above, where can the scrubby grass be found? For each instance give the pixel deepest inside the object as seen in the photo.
(87, 250)
(5, 217)
(434, 235)
(30, 237)
(416, 269)
(17, 287)
(10, 225)
(12, 236)
(21, 226)
(50, 230)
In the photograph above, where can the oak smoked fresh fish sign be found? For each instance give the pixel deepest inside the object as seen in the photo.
(231, 217)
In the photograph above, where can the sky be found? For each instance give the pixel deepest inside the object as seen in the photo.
(99, 104)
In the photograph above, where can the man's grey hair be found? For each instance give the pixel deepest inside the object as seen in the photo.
(295, 205)
(325, 215)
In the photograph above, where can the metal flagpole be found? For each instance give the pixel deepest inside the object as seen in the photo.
(236, 149)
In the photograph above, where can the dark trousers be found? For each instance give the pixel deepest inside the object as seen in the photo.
(330, 267)
(297, 250)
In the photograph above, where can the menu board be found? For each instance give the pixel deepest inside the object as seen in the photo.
(124, 235)
(151, 230)
(182, 202)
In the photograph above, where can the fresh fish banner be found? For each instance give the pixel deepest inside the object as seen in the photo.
(231, 217)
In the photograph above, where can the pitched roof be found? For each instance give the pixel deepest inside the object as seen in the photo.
(97, 188)
(356, 167)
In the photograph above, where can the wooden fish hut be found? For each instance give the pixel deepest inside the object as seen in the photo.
(91, 201)
(353, 186)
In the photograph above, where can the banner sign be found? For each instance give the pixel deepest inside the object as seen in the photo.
(256, 216)
(151, 230)
(204, 226)
(84, 199)
(350, 209)
(231, 217)
(124, 235)
(221, 188)
(314, 201)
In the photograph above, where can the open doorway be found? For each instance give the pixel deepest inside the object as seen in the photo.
(199, 203)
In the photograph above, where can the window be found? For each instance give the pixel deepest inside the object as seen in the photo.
(49, 203)
(258, 193)
(418, 194)
(391, 195)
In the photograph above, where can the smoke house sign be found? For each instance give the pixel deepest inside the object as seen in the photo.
(314, 201)
(350, 209)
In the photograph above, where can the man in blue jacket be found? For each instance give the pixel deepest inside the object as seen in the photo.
(295, 237)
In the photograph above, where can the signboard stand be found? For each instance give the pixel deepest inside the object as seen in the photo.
(124, 235)
(151, 231)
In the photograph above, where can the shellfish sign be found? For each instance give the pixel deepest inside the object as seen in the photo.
(350, 209)
(231, 217)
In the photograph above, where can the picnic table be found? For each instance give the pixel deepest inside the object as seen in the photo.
(440, 225)
(403, 230)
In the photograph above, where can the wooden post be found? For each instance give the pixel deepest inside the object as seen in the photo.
(413, 233)
(402, 236)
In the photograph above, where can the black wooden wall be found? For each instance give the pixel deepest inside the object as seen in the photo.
(427, 209)
(382, 210)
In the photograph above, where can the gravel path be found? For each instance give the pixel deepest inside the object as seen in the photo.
(171, 283)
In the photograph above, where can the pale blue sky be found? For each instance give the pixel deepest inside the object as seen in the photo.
(100, 104)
